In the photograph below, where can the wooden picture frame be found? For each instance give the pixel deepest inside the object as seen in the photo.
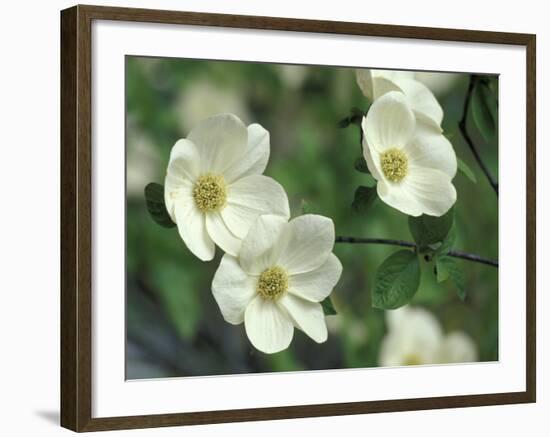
(76, 217)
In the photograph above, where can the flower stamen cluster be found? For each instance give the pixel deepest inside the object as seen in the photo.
(394, 164)
(273, 283)
(210, 192)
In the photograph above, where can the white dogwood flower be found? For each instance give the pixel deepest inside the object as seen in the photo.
(457, 347)
(415, 337)
(375, 83)
(214, 187)
(413, 163)
(283, 271)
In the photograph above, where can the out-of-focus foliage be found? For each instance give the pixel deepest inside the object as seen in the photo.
(174, 327)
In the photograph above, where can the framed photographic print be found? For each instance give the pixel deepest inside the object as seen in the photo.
(267, 218)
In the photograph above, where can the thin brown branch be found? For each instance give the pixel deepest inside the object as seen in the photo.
(464, 130)
(454, 253)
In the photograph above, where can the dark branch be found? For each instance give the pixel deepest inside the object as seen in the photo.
(454, 253)
(462, 125)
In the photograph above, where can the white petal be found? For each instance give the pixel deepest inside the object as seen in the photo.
(382, 85)
(422, 101)
(317, 284)
(307, 316)
(384, 81)
(432, 190)
(413, 334)
(364, 80)
(372, 157)
(255, 157)
(220, 233)
(192, 230)
(422, 325)
(251, 197)
(183, 169)
(176, 189)
(393, 75)
(395, 318)
(268, 328)
(396, 196)
(431, 149)
(184, 160)
(306, 243)
(457, 347)
(376, 83)
(233, 289)
(220, 140)
(257, 250)
(390, 122)
(393, 350)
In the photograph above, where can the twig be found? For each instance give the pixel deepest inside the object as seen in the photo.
(454, 253)
(462, 126)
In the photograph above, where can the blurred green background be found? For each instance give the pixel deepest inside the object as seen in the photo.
(174, 327)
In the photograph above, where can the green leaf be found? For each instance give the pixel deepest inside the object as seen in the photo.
(364, 198)
(447, 244)
(328, 307)
(154, 198)
(448, 268)
(396, 280)
(345, 122)
(485, 109)
(466, 171)
(428, 230)
(361, 165)
(356, 118)
(441, 271)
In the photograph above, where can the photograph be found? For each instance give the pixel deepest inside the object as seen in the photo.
(292, 218)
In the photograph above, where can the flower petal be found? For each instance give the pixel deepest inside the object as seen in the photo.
(184, 160)
(392, 350)
(255, 157)
(396, 196)
(306, 243)
(376, 83)
(251, 197)
(258, 247)
(220, 233)
(395, 318)
(372, 157)
(382, 85)
(317, 284)
(415, 334)
(431, 190)
(183, 169)
(457, 347)
(176, 189)
(390, 122)
(363, 77)
(268, 328)
(192, 230)
(220, 140)
(431, 149)
(422, 101)
(233, 289)
(307, 316)
(393, 75)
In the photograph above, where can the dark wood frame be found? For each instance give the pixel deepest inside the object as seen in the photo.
(76, 217)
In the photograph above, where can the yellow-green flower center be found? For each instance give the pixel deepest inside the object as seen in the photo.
(210, 192)
(412, 360)
(394, 164)
(273, 283)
